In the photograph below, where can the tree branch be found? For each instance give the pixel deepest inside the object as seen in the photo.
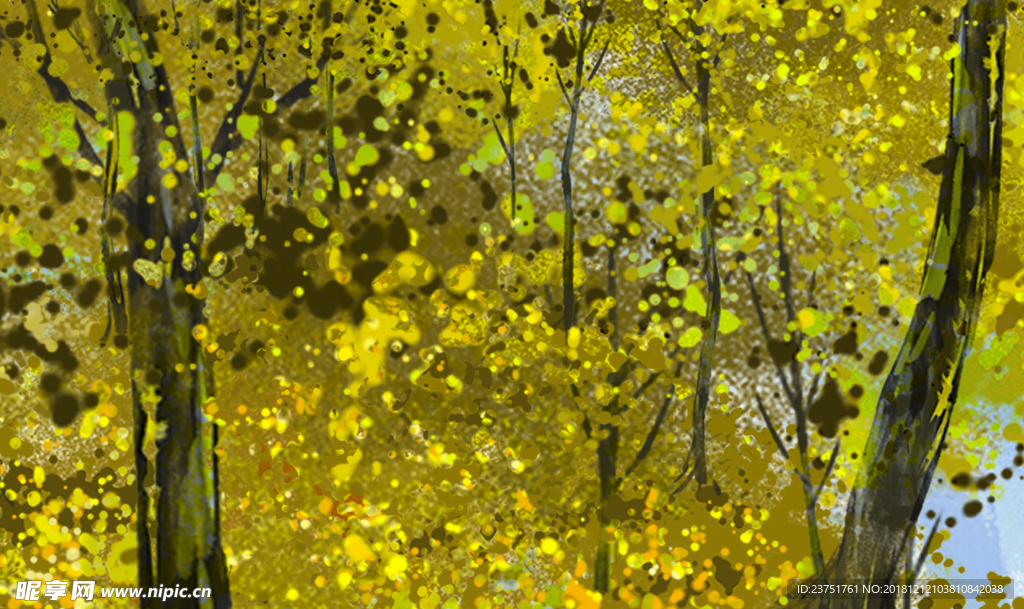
(587, 427)
(59, 90)
(501, 138)
(919, 564)
(304, 88)
(652, 435)
(767, 336)
(675, 68)
(227, 138)
(771, 428)
(828, 469)
(561, 84)
(600, 59)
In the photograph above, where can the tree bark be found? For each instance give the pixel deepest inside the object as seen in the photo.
(166, 356)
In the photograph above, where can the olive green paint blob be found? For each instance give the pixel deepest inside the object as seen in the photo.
(52, 257)
(878, 362)
(847, 343)
(726, 574)
(972, 508)
(782, 352)
(829, 410)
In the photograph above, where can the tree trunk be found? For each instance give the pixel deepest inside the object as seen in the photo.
(921, 389)
(714, 311)
(166, 358)
(607, 454)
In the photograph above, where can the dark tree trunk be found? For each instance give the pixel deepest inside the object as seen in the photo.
(166, 357)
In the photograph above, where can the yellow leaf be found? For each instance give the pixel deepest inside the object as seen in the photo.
(397, 565)
(344, 578)
(357, 549)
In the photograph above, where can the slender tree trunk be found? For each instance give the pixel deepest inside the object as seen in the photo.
(568, 244)
(506, 86)
(920, 391)
(607, 454)
(607, 451)
(711, 320)
(332, 166)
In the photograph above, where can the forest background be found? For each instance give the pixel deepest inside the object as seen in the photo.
(526, 304)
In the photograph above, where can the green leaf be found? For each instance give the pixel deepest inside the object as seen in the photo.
(690, 338)
(677, 278)
(247, 126)
(728, 322)
(367, 155)
(694, 300)
(556, 220)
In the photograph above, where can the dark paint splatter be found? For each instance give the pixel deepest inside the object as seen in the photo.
(829, 410)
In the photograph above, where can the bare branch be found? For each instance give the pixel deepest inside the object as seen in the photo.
(85, 148)
(718, 53)
(589, 31)
(59, 90)
(678, 34)
(587, 427)
(686, 465)
(642, 389)
(810, 288)
(828, 469)
(501, 138)
(227, 139)
(767, 336)
(304, 88)
(813, 391)
(808, 486)
(565, 92)
(61, 93)
(786, 278)
(771, 428)
(572, 37)
(689, 475)
(675, 68)
(652, 435)
(600, 59)
(924, 549)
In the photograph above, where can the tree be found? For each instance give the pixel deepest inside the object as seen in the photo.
(150, 178)
(921, 390)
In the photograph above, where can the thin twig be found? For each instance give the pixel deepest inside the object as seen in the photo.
(771, 428)
(675, 68)
(828, 469)
(924, 549)
(501, 138)
(600, 59)
(652, 435)
(561, 84)
(227, 138)
(767, 335)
